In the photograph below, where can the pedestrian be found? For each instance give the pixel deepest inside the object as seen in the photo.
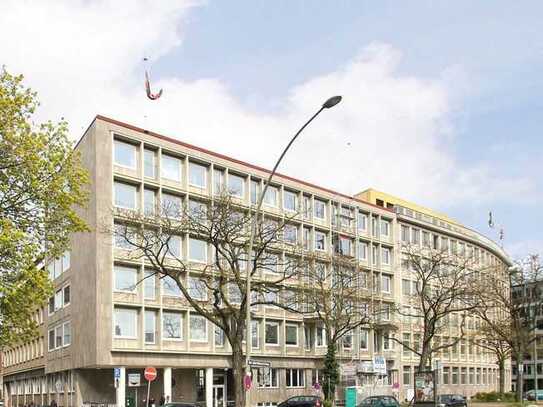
(152, 402)
(53, 403)
(162, 401)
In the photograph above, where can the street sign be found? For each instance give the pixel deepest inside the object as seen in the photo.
(134, 379)
(247, 382)
(380, 365)
(150, 374)
(258, 363)
(117, 373)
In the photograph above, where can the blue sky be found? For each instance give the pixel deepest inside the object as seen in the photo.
(456, 86)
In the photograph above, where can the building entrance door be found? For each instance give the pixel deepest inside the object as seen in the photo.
(219, 395)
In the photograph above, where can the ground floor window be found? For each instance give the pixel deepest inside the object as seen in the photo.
(295, 377)
(406, 375)
(266, 377)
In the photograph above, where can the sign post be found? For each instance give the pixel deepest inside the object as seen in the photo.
(425, 388)
(150, 374)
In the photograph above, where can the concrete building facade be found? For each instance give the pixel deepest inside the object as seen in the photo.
(99, 324)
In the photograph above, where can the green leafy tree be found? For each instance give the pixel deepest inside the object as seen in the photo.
(331, 372)
(42, 184)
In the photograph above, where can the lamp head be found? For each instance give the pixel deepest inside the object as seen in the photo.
(334, 100)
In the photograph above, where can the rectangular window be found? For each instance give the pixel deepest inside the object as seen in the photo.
(290, 200)
(463, 375)
(236, 185)
(320, 241)
(320, 209)
(385, 255)
(385, 283)
(125, 195)
(174, 246)
(149, 202)
(197, 250)
(291, 335)
(255, 191)
(308, 338)
(415, 236)
(385, 228)
(170, 287)
(272, 333)
(124, 154)
(255, 334)
(125, 278)
(172, 327)
(362, 251)
(446, 373)
(52, 305)
(58, 300)
(66, 295)
(374, 255)
(270, 198)
(234, 294)
(407, 375)
(218, 181)
(172, 205)
(344, 246)
(219, 337)
(171, 168)
(321, 336)
(65, 261)
(347, 341)
(197, 289)
(149, 163)
(363, 342)
(406, 339)
(307, 238)
(362, 221)
(266, 377)
(295, 377)
(405, 234)
(150, 326)
(307, 207)
(67, 331)
(51, 341)
(197, 175)
(149, 285)
(198, 328)
(125, 323)
(291, 234)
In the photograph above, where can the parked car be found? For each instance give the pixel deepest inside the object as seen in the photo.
(180, 404)
(302, 401)
(451, 400)
(379, 401)
(530, 395)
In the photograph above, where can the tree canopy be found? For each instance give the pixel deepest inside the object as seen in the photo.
(42, 183)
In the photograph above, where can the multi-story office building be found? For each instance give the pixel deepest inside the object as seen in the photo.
(100, 320)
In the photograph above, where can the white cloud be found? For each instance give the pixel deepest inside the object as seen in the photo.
(391, 131)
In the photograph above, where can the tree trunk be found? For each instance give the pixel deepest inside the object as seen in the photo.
(520, 377)
(238, 363)
(501, 364)
(424, 360)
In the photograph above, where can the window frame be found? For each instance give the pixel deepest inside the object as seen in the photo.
(276, 325)
(130, 310)
(203, 167)
(116, 142)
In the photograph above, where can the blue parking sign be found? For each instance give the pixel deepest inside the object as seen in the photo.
(117, 373)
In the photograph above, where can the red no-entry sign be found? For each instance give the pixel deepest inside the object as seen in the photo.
(149, 373)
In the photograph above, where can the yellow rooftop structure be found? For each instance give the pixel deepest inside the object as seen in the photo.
(389, 201)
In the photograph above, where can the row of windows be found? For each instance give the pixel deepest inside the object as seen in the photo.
(418, 237)
(60, 336)
(466, 347)
(52, 383)
(60, 300)
(24, 353)
(171, 169)
(458, 375)
(58, 266)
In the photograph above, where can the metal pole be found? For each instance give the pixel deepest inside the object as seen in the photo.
(254, 224)
(535, 367)
(148, 391)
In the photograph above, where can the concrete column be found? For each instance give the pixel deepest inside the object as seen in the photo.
(168, 384)
(209, 386)
(120, 399)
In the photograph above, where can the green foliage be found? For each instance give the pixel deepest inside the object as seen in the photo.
(331, 373)
(41, 186)
(327, 403)
(494, 396)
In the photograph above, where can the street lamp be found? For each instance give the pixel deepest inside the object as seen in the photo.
(331, 102)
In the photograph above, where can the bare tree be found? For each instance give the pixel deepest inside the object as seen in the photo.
(334, 297)
(443, 290)
(213, 282)
(513, 300)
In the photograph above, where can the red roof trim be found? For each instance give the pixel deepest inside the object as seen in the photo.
(234, 160)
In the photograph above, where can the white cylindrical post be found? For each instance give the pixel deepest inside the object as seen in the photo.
(209, 386)
(168, 384)
(121, 389)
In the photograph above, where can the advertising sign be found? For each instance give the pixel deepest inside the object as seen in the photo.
(425, 390)
(380, 365)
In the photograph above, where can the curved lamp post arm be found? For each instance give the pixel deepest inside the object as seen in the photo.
(248, 329)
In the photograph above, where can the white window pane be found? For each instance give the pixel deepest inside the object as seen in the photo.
(198, 328)
(125, 154)
(149, 202)
(125, 322)
(172, 205)
(149, 285)
(171, 325)
(150, 326)
(235, 185)
(125, 278)
(174, 246)
(197, 289)
(197, 250)
(197, 175)
(149, 163)
(170, 287)
(270, 198)
(67, 334)
(171, 168)
(125, 195)
(289, 200)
